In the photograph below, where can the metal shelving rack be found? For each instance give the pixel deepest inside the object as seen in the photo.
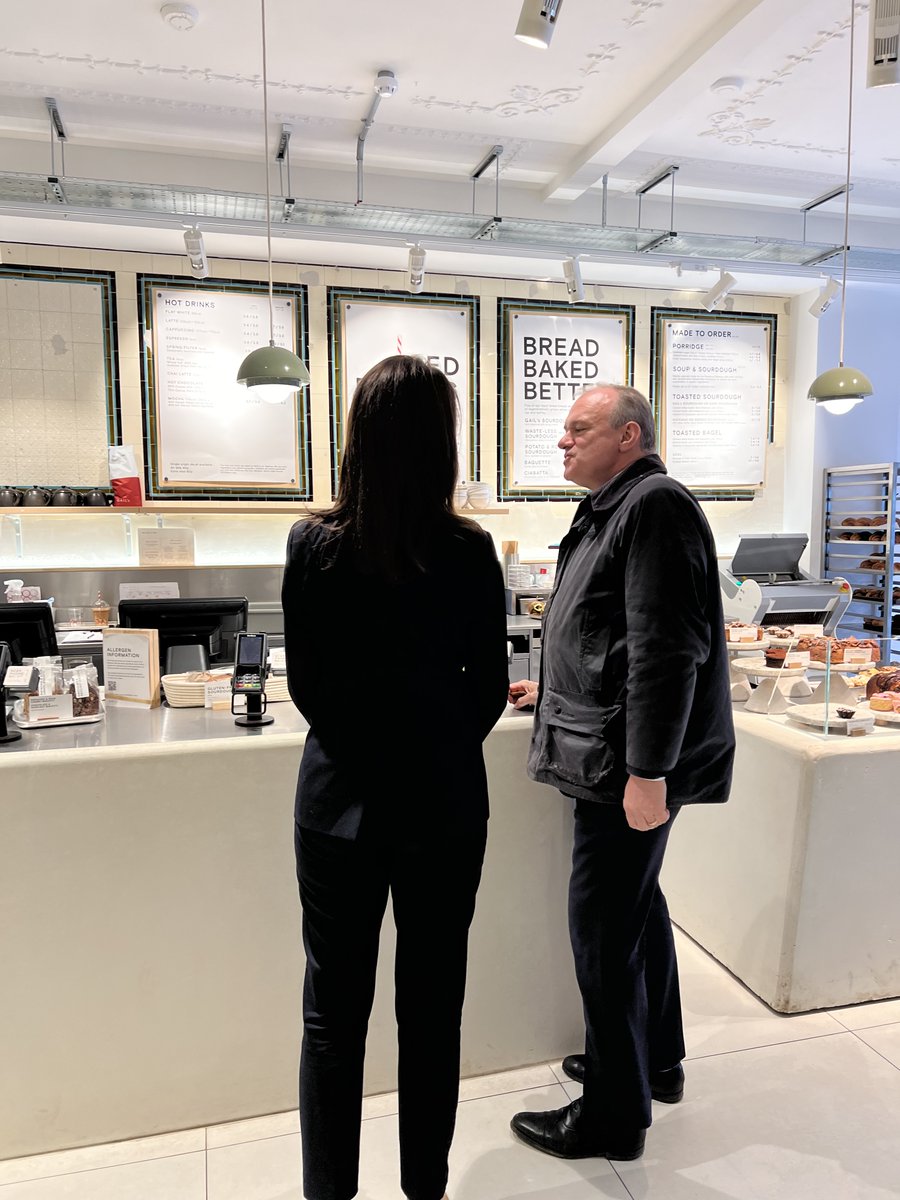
(867, 494)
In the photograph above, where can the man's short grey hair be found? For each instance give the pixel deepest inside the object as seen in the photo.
(631, 405)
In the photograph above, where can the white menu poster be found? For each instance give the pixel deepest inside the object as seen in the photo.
(211, 430)
(439, 333)
(553, 360)
(715, 402)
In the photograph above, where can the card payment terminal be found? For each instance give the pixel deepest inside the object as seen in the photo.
(249, 678)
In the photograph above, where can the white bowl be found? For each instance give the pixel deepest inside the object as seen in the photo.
(480, 495)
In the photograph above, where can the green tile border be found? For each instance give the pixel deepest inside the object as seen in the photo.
(336, 294)
(505, 307)
(658, 315)
(109, 314)
(156, 491)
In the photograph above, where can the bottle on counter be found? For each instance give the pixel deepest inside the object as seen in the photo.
(13, 591)
(100, 611)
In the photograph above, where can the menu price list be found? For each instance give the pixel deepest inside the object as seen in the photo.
(716, 402)
(212, 429)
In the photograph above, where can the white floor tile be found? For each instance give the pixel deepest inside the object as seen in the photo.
(811, 1120)
(383, 1104)
(264, 1170)
(180, 1178)
(486, 1161)
(253, 1129)
(885, 1039)
(866, 1016)
(89, 1158)
(506, 1081)
(721, 1015)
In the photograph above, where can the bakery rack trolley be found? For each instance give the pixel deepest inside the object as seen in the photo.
(855, 493)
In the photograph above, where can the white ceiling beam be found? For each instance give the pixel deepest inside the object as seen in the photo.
(719, 51)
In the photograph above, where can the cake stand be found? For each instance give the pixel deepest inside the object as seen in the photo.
(840, 691)
(740, 686)
(768, 697)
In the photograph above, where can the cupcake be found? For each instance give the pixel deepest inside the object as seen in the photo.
(775, 656)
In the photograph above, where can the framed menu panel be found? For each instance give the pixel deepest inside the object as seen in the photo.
(547, 357)
(367, 326)
(206, 432)
(713, 393)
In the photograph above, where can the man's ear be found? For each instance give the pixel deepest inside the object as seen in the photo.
(631, 435)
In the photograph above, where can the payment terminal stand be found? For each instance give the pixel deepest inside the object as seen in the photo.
(249, 679)
(6, 734)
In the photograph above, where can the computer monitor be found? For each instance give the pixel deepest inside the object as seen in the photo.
(194, 633)
(28, 630)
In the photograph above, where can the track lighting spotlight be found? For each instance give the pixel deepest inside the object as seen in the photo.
(718, 291)
(574, 284)
(537, 22)
(883, 61)
(196, 252)
(416, 268)
(831, 289)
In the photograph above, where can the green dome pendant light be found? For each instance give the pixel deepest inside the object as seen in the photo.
(272, 371)
(841, 388)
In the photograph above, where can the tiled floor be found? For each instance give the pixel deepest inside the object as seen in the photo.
(776, 1108)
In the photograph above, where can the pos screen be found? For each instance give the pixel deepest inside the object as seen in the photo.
(250, 650)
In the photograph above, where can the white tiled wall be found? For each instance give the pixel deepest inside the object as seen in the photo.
(52, 384)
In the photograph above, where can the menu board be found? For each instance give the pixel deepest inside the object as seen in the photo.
(211, 430)
(714, 403)
(552, 357)
(371, 330)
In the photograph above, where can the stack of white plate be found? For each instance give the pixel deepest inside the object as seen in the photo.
(180, 692)
(277, 689)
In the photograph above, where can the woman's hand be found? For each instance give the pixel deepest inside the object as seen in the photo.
(523, 693)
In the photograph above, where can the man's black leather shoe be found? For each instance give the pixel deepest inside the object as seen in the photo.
(667, 1086)
(557, 1132)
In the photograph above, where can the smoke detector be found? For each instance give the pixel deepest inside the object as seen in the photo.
(728, 85)
(180, 16)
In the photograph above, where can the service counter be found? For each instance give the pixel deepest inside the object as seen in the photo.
(150, 927)
(793, 884)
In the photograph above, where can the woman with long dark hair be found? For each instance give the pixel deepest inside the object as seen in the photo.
(395, 635)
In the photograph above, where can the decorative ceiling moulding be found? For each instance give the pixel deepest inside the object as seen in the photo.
(135, 66)
(640, 11)
(733, 124)
(229, 212)
(524, 100)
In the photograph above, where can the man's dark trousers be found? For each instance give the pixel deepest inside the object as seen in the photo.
(624, 962)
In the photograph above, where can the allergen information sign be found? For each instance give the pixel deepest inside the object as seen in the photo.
(212, 431)
(714, 404)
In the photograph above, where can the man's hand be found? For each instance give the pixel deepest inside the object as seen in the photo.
(523, 693)
(645, 803)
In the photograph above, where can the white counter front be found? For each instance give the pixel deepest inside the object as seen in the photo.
(150, 928)
(793, 884)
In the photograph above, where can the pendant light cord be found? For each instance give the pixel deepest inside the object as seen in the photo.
(265, 83)
(847, 184)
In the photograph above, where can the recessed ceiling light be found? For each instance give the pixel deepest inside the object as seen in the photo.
(180, 16)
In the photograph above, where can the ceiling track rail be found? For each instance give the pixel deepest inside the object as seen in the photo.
(158, 206)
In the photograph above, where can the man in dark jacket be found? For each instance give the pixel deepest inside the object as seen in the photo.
(632, 721)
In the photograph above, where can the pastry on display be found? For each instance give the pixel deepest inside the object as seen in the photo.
(886, 680)
(822, 649)
(872, 564)
(782, 633)
(775, 656)
(846, 714)
(885, 702)
(862, 677)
